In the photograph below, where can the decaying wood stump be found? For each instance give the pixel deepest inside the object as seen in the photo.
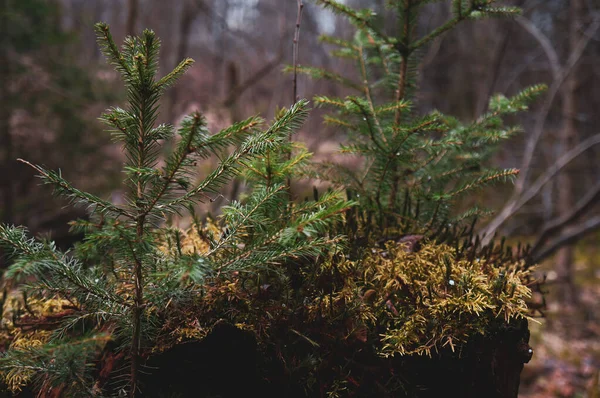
(226, 363)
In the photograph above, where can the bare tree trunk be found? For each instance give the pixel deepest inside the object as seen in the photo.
(6, 143)
(220, 37)
(189, 13)
(132, 17)
(233, 108)
(233, 83)
(567, 292)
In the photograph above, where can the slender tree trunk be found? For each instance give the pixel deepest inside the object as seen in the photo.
(233, 82)
(189, 13)
(138, 310)
(568, 138)
(220, 37)
(6, 142)
(132, 16)
(138, 276)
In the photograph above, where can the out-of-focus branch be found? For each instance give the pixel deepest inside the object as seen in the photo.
(544, 42)
(239, 89)
(518, 201)
(586, 227)
(586, 202)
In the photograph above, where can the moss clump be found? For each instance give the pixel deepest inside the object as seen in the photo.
(432, 298)
(401, 300)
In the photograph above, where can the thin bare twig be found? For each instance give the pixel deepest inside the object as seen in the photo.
(296, 41)
(518, 201)
(288, 182)
(590, 199)
(544, 42)
(586, 227)
(561, 163)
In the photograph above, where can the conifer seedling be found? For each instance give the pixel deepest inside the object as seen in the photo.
(113, 288)
(416, 167)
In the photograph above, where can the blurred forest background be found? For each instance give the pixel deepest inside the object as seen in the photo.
(54, 83)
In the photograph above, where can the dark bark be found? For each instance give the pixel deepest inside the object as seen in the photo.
(7, 161)
(132, 16)
(227, 363)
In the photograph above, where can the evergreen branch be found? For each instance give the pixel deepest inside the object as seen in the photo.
(427, 123)
(238, 217)
(487, 178)
(337, 42)
(110, 50)
(334, 121)
(170, 79)
(66, 363)
(124, 123)
(270, 253)
(63, 187)
(43, 261)
(474, 212)
(321, 100)
(339, 8)
(205, 145)
(367, 117)
(487, 11)
(317, 216)
(240, 128)
(99, 316)
(226, 169)
(392, 107)
(500, 105)
(71, 272)
(437, 32)
(254, 146)
(362, 19)
(174, 165)
(293, 166)
(15, 239)
(461, 16)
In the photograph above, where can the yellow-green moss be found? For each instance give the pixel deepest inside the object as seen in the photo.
(427, 299)
(433, 299)
(424, 300)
